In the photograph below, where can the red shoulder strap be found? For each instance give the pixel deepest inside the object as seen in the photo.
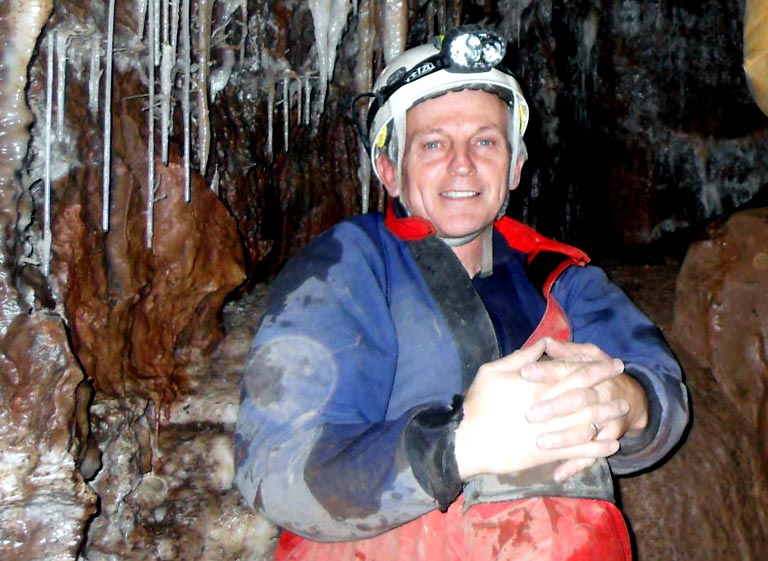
(546, 260)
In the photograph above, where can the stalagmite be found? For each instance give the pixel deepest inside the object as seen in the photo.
(94, 76)
(105, 199)
(205, 15)
(47, 236)
(186, 64)
(152, 51)
(62, 42)
(395, 28)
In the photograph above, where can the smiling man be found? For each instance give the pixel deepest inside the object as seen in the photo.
(443, 383)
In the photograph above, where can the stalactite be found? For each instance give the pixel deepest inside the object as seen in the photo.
(221, 75)
(166, 92)
(395, 28)
(364, 83)
(330, 19)
(270, 113)
(307, 87)
(174, 32)
(366, 34)
(62, 43)
(286, 112)
(152, 27)
(299, 103)
(167, 63)
(156, 35)
(142, 16)
(456, 12)
(205, 14)
(47, 235)
(186, 64)
(430, 16)
(244, 31)
(105, 199)
(94, 76)
(320, 14)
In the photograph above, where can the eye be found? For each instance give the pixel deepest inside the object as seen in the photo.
(432, 144)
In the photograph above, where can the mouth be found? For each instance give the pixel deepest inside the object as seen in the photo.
(459, 194)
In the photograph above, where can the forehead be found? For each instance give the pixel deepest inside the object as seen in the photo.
(468, 108)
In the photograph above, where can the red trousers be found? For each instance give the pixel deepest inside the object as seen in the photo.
(536, 529)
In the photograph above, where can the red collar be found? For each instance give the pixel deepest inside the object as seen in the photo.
(518, 235)
(409, 228)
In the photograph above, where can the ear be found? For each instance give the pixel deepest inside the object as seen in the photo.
(388, 174)
(516, 180)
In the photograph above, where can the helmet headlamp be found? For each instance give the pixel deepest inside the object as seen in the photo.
(462, 50)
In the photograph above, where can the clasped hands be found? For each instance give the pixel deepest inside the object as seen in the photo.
(550, 402)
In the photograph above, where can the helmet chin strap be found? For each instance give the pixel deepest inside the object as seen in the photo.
(486, 266)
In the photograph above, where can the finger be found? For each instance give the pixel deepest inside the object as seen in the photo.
(573, 351)
(516, 360)
(578, 376)
(549, 371)
(567, 400)
(568, 430)
(570, 468)
(593, 450)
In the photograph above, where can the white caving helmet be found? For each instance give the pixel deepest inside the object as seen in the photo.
(466, 57)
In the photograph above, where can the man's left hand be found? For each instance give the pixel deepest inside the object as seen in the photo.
(590, 396)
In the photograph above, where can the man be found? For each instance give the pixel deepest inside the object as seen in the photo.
(442, 382)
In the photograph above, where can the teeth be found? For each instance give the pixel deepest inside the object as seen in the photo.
(459, 194)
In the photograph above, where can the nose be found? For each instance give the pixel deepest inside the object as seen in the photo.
(461, 162)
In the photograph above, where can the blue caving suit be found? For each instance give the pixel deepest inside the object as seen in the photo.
(353, 384)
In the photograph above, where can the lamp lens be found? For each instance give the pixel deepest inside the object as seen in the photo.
(475, 51)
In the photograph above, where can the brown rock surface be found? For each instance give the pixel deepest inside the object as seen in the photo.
(722, 311)
(136, 311)
(710, 500)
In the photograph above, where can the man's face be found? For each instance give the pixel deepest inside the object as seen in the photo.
(456, 161)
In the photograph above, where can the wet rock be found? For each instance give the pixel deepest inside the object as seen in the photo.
(44, 500)
(721, 312)
(709, 501)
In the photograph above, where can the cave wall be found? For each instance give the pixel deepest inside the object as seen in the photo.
(117, 411)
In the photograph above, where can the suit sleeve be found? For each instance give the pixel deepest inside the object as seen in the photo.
(601, 313)
(315, 451)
